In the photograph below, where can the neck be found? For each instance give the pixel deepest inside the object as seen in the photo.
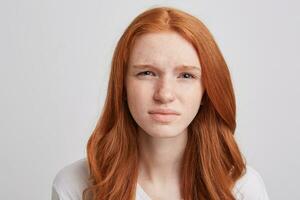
(160, 158)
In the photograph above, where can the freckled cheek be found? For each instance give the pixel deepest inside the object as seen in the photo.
(192, 97)
(139, 96)
(139, 90)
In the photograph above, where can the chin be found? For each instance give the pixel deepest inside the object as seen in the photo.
(163, 132)
(162, 136)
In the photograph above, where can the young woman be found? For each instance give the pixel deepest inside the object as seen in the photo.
(167, 128)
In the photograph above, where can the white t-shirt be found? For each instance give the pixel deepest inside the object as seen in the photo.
(70, 182)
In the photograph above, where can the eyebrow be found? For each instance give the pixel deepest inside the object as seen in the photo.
(185, 67)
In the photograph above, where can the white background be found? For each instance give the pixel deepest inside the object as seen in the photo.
(54, 67)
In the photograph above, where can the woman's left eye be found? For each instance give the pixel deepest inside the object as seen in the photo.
(188, 76)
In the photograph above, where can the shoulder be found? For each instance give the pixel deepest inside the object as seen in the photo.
(70, 181)
(250, 186)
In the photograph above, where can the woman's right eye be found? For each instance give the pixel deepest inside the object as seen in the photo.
(145, 73)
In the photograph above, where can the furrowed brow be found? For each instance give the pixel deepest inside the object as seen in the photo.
(181, 67)
(143, 66)
(188, 67)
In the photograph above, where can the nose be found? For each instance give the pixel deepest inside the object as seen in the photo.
(164, 91)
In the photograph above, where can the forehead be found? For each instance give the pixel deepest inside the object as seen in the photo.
(163, 49)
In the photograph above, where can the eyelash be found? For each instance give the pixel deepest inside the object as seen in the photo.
(143, 74)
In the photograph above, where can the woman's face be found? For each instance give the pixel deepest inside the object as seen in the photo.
(163, 84)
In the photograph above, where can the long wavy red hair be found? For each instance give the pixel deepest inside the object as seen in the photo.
(212, 161)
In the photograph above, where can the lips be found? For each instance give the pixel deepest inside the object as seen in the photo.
(163, 115)
(163, 112)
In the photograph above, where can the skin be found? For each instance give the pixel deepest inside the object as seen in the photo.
(162, 84)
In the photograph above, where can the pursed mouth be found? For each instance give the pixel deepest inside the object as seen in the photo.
(163, 117)
(163, 112)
